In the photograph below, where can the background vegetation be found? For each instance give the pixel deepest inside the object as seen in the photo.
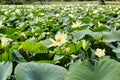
(47, 1)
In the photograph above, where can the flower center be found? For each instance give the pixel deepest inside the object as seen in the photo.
(58, 39)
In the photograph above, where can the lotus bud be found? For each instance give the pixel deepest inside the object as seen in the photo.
(1, 24)
(33, 30)
(85, 45)
(100, 24)
(4, 17)
(37, 20)
(23, 35)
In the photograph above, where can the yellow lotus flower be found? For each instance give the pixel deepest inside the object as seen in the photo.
(100, 53)
(60, 38)
(76, 25)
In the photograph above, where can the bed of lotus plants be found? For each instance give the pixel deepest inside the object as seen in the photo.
(72, 42)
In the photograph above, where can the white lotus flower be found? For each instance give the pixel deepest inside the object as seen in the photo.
(17, 11)
(71, 15)
(95, 11)
(5, 42)
(31, 15)
(100, 53)
(76, 25)
(6, 12)
(80, 17)
(42, 14)
(57, 15)
(60, 38)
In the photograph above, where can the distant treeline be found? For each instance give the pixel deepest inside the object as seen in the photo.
(41, 1)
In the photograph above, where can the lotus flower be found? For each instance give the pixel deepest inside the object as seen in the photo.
(76, 25)
(100, 53)
(5, 42)
(60, 39)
